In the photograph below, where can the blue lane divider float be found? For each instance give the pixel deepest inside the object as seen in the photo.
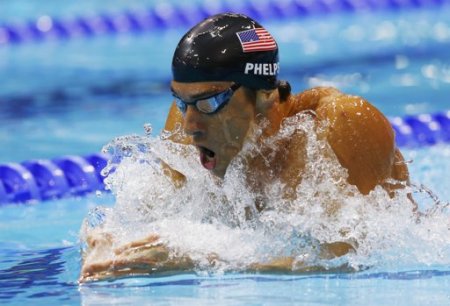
(165, 15)
(38, 180)
(19, 185)
(422, 130)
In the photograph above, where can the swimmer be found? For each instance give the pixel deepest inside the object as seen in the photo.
(225, 82)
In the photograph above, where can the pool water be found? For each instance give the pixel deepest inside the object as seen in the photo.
(75, 96)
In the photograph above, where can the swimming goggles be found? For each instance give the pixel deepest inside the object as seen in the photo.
(208, 105)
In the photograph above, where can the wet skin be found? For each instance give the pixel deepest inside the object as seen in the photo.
(359, 135)
(221, 134)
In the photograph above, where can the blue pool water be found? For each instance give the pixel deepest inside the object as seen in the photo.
(75, 96)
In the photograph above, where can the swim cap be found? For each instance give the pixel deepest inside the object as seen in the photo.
(227, 47)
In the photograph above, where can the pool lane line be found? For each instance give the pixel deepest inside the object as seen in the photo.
(39, 180)
(421, 130)
(166, 16)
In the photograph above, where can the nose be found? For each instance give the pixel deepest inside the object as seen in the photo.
(193, 122)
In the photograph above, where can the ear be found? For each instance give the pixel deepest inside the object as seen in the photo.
(266, 99)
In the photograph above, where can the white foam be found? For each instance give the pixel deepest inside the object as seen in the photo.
(208, 216)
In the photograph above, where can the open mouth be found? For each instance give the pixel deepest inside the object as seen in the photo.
(207, 158)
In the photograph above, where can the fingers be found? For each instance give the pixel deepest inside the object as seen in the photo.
(148, 241)
(145, 253)
(141, 258)
(93, 271)
(154, 261)
(117, 267)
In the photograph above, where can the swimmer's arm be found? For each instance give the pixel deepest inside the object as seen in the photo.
(363, 141)
(294, 265)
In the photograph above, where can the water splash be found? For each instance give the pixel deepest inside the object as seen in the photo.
(210, 216)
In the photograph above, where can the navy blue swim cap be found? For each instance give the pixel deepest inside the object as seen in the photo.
(227, 47)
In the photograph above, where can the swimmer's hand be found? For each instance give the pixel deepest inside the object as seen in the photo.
(141, 257)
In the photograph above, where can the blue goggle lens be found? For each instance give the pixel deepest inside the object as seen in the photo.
(208, 105)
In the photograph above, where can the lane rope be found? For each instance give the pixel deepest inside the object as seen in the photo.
(38, 180)
(422, 130)
(165, 16)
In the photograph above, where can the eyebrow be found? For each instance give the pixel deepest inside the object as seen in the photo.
(198, 96)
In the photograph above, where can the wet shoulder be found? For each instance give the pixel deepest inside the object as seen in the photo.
(328, 102)
(311, 99)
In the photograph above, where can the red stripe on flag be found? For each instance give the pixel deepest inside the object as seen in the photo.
(265, 42)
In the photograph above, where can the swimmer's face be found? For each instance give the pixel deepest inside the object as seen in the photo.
(219, 137)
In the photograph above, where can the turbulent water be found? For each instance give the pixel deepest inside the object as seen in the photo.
(211, 216)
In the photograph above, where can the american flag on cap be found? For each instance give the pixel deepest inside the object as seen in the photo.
(256, 40)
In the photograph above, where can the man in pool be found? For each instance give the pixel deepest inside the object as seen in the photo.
(225, 82)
